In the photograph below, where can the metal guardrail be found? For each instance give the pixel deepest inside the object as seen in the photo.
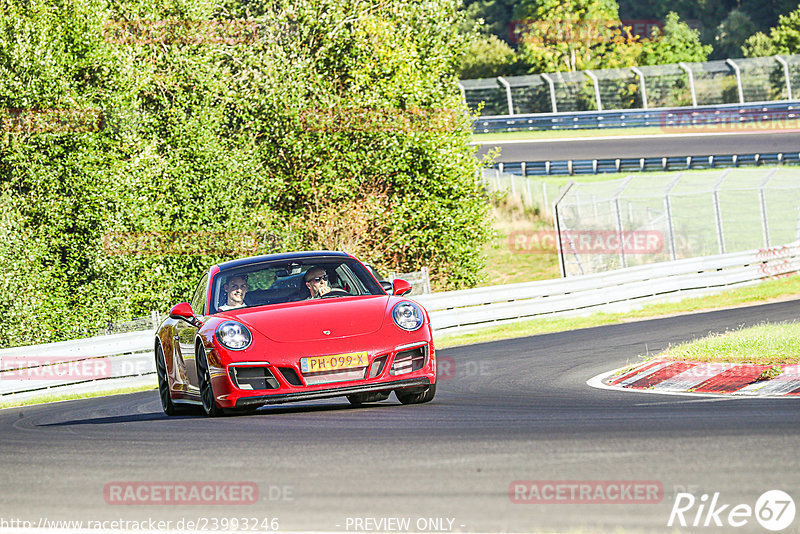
(671, 120)
(621, 165)
(90, 364)
(618, 290)
(125, 359)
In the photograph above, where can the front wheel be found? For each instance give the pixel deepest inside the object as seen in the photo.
(416, 395)
(167, 404)
(210, 406)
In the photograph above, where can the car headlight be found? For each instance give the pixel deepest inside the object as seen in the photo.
(233, 335)
(407, 315)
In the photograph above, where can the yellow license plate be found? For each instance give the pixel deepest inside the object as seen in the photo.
(335, 362)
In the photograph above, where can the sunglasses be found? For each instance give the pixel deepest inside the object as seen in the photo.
(318, 279)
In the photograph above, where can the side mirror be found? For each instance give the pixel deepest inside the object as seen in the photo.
(400, 287)
(387, 286)
(182, 311)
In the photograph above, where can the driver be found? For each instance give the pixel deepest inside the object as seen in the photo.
(316, 280)
(236, 289)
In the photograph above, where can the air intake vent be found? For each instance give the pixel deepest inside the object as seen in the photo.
(408, 361)
(253, 378)
(291, 376)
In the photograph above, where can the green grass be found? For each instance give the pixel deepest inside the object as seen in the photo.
(763, 292)
(765, 344)
(46, 399)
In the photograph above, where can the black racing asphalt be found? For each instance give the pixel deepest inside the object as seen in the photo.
(505, 411)
(595, 146)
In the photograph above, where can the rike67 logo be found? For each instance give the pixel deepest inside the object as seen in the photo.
(774, 510)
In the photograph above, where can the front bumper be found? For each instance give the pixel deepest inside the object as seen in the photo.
(333, 392)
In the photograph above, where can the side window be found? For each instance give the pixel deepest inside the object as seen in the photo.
(199, 298)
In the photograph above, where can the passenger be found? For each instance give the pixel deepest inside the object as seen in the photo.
(316, 280)
(236, 289)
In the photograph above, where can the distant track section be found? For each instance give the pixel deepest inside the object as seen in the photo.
(643, 146)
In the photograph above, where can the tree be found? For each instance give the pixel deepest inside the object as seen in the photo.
(574, 35)
(221, 129)
(732, 33)
(487, 57)
(782, 39)
(678, 42)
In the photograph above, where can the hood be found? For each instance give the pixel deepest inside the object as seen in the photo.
(309, 319)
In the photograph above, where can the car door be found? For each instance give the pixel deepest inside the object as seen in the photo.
(185, 334)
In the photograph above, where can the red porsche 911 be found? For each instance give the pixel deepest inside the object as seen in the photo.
(293, 327)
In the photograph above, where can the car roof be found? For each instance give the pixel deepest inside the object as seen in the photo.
(288, 256)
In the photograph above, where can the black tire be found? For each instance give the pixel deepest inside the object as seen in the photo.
(416, 395)
(167, 404)
(358, 399)
(210, 406)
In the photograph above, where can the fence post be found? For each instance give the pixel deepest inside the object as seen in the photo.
(673, 253)
(156, 318)
(763, 202)
(786, 76)
(508, 94)
(618, 214)
(552, 85)
(560, 249)
(530, 193)
(690, 75)
(596, 84)
(717, 213)
(640, 74)
(738, 73)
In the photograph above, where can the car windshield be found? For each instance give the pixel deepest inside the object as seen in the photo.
(277, 282)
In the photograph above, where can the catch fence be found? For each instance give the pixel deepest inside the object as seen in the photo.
(637, 220)
(729, 81)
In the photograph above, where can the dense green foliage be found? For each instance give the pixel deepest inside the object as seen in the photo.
(782, 39)
(227, 130)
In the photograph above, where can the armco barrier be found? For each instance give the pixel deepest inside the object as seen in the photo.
(716, 118)
(90, 364)
(127, 359)
(651, 164)
(617, 290)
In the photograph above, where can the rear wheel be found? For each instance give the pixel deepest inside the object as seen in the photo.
(416, 395)
(210, 406)
(358, 399)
